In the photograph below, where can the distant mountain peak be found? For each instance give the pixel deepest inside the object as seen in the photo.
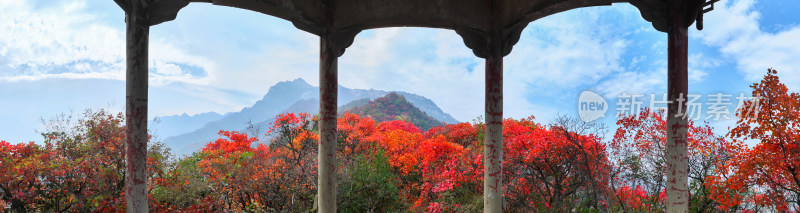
(293, 84)
(299, 81)
(394, 95)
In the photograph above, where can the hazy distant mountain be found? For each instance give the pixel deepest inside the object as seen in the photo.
(278, 98)
(353, 104)
(427, 106)
(393, 107)
(169, 126)
(287, 96)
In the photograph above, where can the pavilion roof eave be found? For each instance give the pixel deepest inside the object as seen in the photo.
(469, 18)
(444, 14)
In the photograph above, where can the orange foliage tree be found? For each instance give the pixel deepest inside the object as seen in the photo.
(19, 182)
(548, 168)
(638, 146)
(767, 174)
(276, 176)
(80, 168)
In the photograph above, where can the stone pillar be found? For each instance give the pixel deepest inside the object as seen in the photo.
(493, 144)
(677, 132)
(326, 156)
(137, 33)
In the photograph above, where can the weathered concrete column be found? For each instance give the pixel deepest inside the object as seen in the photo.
(137, 33)
(677, 78)
(326, 156)
(493, 144)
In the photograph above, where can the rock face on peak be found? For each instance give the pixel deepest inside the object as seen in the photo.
(287, 96)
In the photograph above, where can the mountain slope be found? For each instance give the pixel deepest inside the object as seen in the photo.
(287, 96)
(168, 126)
(430, 108)
(395, 107)
(354, 104)
(347, 95)
(278, 98)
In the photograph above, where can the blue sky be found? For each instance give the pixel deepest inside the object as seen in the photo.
(68, 55)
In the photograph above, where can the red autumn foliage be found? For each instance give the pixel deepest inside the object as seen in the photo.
(767, 174)
(547, 168)
(80, 168)
(236, 142)
(639, 146)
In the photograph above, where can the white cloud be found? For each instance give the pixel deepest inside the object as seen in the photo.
(566, 51)
(429, 62)
(64, 40)
(255, 72)
(239, 50)
(633, 83)
(243, 51)
(556, 55)
(561, 55)
(35, 41)
(733, 27)
(47, 45)
(699, 65)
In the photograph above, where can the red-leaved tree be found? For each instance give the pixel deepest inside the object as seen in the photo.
(767, 174)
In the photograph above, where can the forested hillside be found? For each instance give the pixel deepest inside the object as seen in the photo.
(394, 107)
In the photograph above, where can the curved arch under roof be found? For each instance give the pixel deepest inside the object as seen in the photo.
(472, 19)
